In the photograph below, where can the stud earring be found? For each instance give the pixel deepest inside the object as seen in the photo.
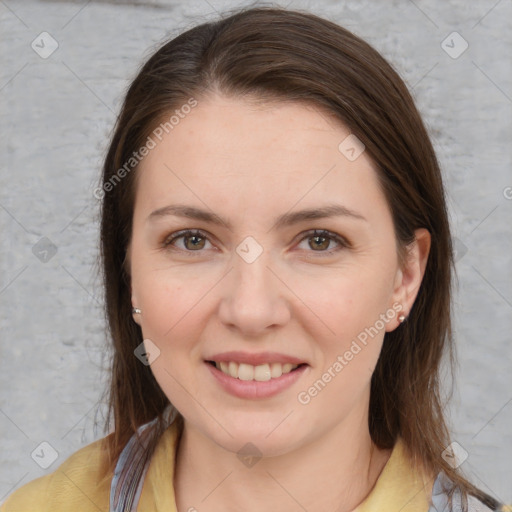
(402, 318)
(136, 311)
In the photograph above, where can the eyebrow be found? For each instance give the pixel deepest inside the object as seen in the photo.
(285, 220)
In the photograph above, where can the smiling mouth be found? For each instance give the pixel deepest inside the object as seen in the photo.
(260, 373)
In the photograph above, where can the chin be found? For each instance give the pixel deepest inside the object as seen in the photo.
(268, 437)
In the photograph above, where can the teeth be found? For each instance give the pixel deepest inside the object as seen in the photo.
(260, 373)
(245, 371)
(276, 370)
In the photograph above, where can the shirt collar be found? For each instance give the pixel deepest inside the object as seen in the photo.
(399, 487)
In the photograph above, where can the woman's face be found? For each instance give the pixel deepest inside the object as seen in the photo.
(234, 308)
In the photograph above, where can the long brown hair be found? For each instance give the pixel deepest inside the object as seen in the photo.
(282, 55)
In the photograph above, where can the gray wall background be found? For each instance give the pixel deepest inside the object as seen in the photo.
(56, 115)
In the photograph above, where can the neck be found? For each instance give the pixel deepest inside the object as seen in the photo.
(334, 472)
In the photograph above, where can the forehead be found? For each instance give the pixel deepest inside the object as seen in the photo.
(257, 154)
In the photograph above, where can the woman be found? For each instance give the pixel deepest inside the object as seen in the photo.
(277, 262)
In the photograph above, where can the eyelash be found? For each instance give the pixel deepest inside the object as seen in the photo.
(343, 243)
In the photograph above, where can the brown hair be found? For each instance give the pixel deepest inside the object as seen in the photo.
(282, 55)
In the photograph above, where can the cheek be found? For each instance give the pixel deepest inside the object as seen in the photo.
(168, 305)
(173, 317)
(349, 330)
(165, 292)
(176, 309)
(342, 301)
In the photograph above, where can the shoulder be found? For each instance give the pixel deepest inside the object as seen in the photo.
(76, 484)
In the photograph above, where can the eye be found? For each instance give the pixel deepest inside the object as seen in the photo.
(320, 240)
(193, 240)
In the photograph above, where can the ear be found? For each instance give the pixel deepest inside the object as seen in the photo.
(409, 278)
(135, 302)
(135, 316)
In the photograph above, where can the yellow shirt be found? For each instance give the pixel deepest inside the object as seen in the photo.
(75, 485)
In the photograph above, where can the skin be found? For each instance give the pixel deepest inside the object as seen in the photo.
(250, 163)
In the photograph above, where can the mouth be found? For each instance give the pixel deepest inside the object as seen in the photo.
(259, 373)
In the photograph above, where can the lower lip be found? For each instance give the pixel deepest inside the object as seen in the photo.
(255, 389)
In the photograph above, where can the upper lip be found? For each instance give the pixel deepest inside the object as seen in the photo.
(254, 359)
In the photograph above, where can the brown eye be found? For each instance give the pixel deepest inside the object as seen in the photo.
(193, 241)
(319, 241)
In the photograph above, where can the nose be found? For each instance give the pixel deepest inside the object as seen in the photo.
(254, 298)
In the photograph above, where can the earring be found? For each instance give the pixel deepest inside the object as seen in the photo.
(402, 318)
(136, 311)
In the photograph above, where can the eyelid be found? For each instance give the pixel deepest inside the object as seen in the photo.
(340, 240)
(168, 239)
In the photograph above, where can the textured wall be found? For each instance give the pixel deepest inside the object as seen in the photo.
(57, 111)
